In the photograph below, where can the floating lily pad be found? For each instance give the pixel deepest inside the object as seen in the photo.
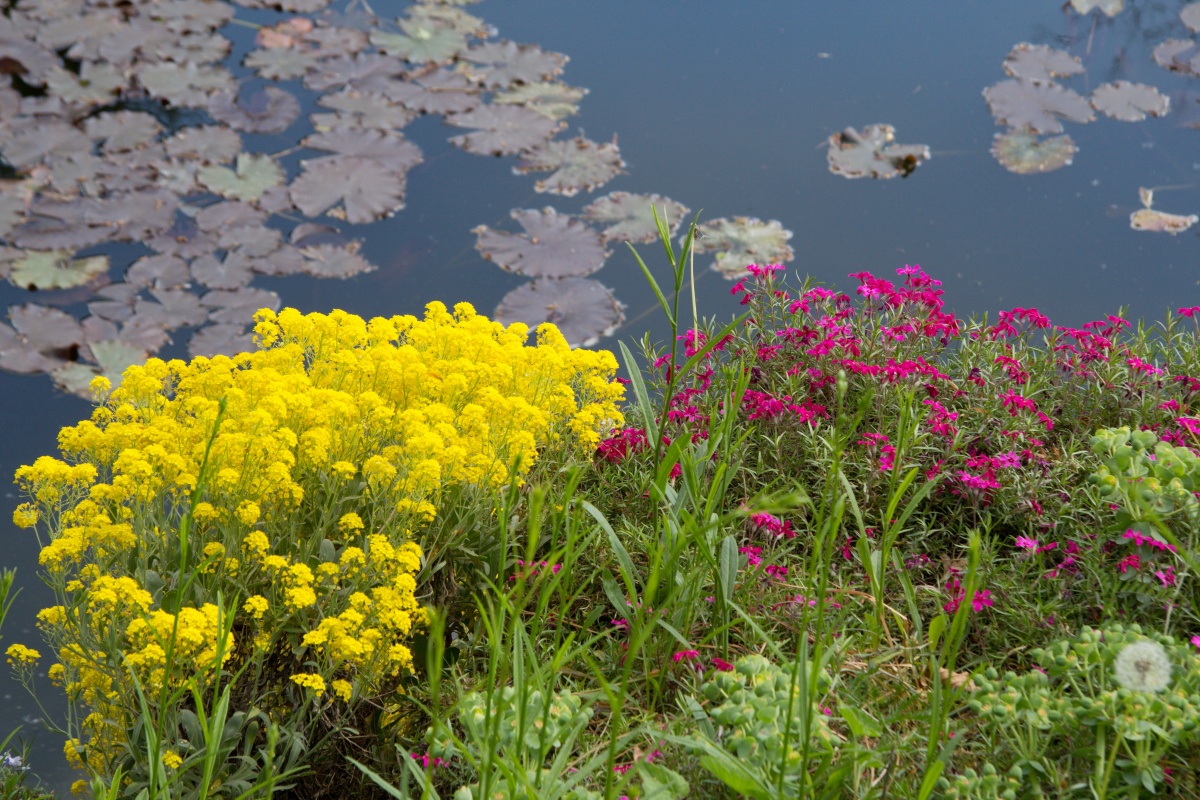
(12, 211)
(631, 218)
(1147, 219)
(161, 271)
(56, 225)
(133, 215)
(1036, 105)
(1129, 102)
(334, 73)
(251, 177)
(96, 83)
(27, 59)
(45, 141)
(212, 144)
(16, 355)
(1109, 7)
(286, 33)
(123, 130)
(288, 6)
(498, 65)
(333, 261)
(221, 273)
(225, 339)
(310, 234)
(280, 64)
(744, 240)
(579, 165)
(48, 330)
(1190, 14)
(238, 307)
(1178, 55)
(435, 91)
(55, 269)
(190, 16)
(443, 15)
(422, 42)
(114, 302)
(366, 188)
(220, 217)
(267, 110)
(502, 130)
(553, 246)
(361, 110)
(1038, 62)
(284, 260)
(112, 358)
(184, 239)
(581, 308)
(870, 153)
(187, 84)
(389, 149)
(551, 99)
(1021, 152)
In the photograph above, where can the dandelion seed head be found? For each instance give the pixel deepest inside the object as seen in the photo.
(1143, 666)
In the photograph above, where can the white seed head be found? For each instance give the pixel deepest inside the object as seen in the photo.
(1143, 667)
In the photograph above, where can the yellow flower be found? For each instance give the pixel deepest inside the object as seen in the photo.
(20, 656)
(256, 605)
(350, 523)
(80, 787)
(25, 515)
(342, 689)
(171, 759)
(248, 512)
(310, 681)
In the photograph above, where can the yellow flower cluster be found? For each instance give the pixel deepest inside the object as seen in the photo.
(302, 473)
(20, 656)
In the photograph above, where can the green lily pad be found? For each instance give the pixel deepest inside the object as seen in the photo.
(552, 99)
(631, 218)
(112, 357)
(744, 240)
(421, 42)
(252, 176)
(1021, 152)
(55, 269)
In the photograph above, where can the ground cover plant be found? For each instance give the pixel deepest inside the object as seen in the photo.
(846, 545)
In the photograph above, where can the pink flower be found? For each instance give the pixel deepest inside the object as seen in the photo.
(1026, 543)
(1196, 641)
(1167, 576)
(725, 666)
(1139, 540)
(1131, 561)
(689, 655)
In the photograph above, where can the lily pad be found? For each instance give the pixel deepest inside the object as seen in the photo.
(361, 110)
(1038, 62)
(498, 65)
(280, 64)
(1036, 105)
(334, 73)
(123, 130)
(96, 84)
(366, 188)
(12, 211)
(1109, 7)
(114, 302)
(630, 217)
(16, 355)
(870, 153)
(267, 110)
(56, 225)
(1178, 55)
(251, 177)
(160, 271)
(48, 330)
(43, 141)
(221, 273)
(288, 6)
(551, 99)
(1129, 102)
(435, 91)
(226, 339)
(391, 150)
(1147, 219)
(422, 42)
(286, 33)
(112, 358)
(553, 246)
(744, 240)
(184, 239)
(212, 144)
(502, 130)
(333, 261)
(582, 309)
(1021, 152)
(1190, 14)
(187, 84)
(238, 307)
(55, 269)
(579, 165)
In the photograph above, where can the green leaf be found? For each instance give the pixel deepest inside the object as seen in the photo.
(936, 626)
(733, 774)
(931, 776)
(662, 300)
(861, 723)
(252, 175)
(730, 560)
(661, 783)
(55, 269)
(639, 391)
(423, 43)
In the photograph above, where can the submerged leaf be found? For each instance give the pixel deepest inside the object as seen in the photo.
(1036, 105)
(579, 164)
(553, 246)
(55, 269)
(1020, 151)
(631, 218)
(870, 153)
(502, 130)
(252, 176)
(742, 241)
(1129, 102)
(1109, 7)
(582, 309)
(267, 110)
(1038, 62)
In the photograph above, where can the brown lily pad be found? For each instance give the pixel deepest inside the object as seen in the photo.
(553, 246)
(582, 309)
(870, 153)
(579, 165)
(366, 188)
(1038, 62)
(498, 65)
(266, 110)
(502, 130)
(1129, 102)
(1036, 105)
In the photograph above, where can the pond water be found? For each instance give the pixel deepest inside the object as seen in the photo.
(727, 108)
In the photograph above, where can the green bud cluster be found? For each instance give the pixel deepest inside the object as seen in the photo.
(751, 703)
(1147, 473)
(536, 729)
(985, 785)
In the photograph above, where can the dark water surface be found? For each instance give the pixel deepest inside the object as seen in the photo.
(726, 106)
